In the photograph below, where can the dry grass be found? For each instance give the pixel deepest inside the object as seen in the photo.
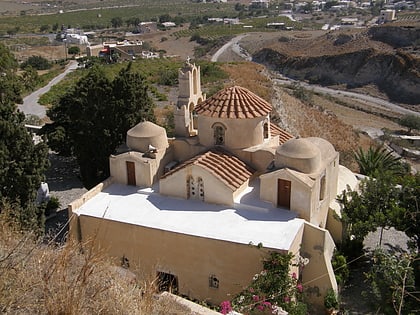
(251, 76)
(303, 119)
(46, 279)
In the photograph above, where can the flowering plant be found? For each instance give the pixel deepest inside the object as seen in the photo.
(272, 291)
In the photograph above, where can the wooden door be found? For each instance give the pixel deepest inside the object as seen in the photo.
(283, 193)
(131, 173)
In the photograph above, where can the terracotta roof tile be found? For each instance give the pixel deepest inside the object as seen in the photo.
(228, 168)
(277, 131)
(234, 102)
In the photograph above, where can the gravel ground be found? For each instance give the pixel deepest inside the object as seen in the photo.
(64, 183)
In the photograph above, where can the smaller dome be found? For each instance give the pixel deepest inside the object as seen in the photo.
(144, 134)
(299, 154)
(326, 148)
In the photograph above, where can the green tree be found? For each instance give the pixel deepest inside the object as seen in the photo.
(117, 22)
(44, 28)
(92, 119)
(411, 122)
(377, 160)
(409, 199)
(22, 163)
(392, 288)
(73, 50)
(29, 78)
(375, 204)
(37, 62)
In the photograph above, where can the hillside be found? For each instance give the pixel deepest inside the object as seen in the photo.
(386, 57)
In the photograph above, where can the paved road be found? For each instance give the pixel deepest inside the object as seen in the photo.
(373, 101)
(30, 104)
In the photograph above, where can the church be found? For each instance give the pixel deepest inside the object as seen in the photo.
(201, 210)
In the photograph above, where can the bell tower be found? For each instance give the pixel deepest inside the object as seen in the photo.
(189, 96)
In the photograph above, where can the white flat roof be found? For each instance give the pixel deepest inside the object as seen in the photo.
(250, 221)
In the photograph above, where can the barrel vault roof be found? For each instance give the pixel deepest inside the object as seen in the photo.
(226, 167)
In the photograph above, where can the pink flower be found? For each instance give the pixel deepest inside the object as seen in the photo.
(260, 307)
(287, 299)
(225, 307)
(251, 290)
(255, 298)
(300, 288)
(294, 275)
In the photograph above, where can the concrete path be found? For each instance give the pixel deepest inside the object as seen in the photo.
(30, 104)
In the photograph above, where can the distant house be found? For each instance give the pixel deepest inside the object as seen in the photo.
(146, 27)
(168, 24)
(263, 4)
(190, 209)
(386, 16)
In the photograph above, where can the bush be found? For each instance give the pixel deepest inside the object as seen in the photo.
(74, 50)
(52, 205)
(341, 269)
(36, 62)
(331, 300)
(272, 289)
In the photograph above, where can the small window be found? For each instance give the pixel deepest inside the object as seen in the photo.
(213, 282)
(125, 263)
(322, 188)
(265, 130)
(219, 134)
(167, 282)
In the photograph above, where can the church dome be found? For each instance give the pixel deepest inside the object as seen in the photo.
(299, 154)
(234, 102)
(144, 134)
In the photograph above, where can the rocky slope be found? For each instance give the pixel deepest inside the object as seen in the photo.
(352, 58)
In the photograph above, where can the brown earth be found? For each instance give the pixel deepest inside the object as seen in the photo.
(353, 57)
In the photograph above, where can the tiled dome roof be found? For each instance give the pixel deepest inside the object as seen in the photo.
(234, 102)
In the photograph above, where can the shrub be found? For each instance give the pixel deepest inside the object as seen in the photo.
(341, 270)
(36, 62)
(272, 289)
(331, 300)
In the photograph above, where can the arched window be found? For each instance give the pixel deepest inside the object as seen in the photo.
(265, 130)
(195, 81)
(191, 191)
(322, 188)
(200, 186)
(193, 118)
(219, 134)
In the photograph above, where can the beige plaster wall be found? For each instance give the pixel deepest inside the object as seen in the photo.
(239, 133)
(181, 121)
(144, 168)
(192, 259)
(215, 191)
(301, 194)
(334, 226)
(147, 170)
(185, 149)
(320, 207)
(318, 275)
(259, 159)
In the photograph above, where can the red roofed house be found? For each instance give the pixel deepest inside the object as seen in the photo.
(186, 209)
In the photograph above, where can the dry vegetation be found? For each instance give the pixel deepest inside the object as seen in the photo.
(304, 119)
(69, 279)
